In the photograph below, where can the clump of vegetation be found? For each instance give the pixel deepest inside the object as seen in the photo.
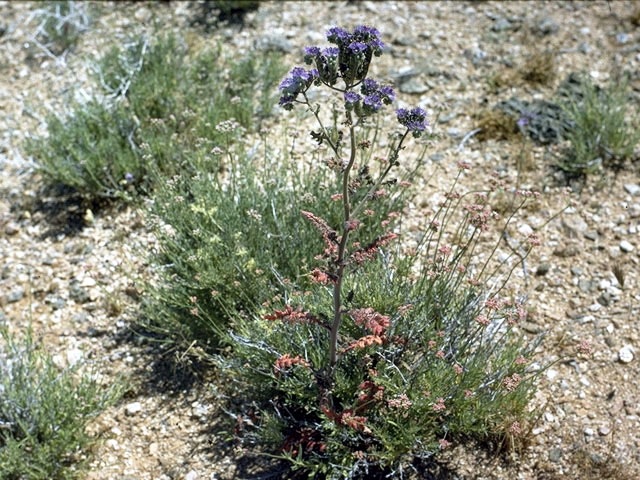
(59, 25)
(602, 133)
(497, 125)
(380, 354)
(539, 69)
(44, 412)
(211, 13)
(223, 230)
(158, 105)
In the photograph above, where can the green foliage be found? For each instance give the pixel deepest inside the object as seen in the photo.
(382, 410)
(235, 229)
(603, 134)
(60, 24)
(160, 106)
(44, 411)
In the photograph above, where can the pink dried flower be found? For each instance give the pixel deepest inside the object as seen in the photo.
(404, 184)
(368, 212)
(432, 344)
(512, 382)
(534, 240)
(287, 361)
(214, 293)
(493, 304)
(401, 401)
(403, 309)
(464, 165)
(444, 444)
(521, 360)
(352, 224)
(336, 196)
(440, 354)
(194, 311)
(439, 405)
(467, 393)
(380, 193)
(318, 276)
(193, 299)
(372, 320)
(482, 320)
(585, 347)
(458, 369)
(515, 429)
(445, 250)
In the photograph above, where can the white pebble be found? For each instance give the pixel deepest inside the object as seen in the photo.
(133, 408)
(625, 355)
(595, 307)
(192, 475)
(589, 432)
(551, 374)
(626, 246)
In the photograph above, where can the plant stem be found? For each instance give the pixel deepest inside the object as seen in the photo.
(337, 288)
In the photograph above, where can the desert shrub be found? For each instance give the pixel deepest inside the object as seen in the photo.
(44, 411)
(231, 235)
(210, 14)
(59, 24)
(602, 133)
(382, 353)
(156, 106)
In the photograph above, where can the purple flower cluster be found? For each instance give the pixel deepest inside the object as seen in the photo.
(298, 81)
(375, 96)
(415, 120)
(352, 97)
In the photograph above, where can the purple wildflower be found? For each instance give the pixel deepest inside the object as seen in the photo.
(338, 35)
(364, 30)
(357, 47)
(415, 119)
(331, 52)
(388, 94)
(128, 177)
(312, 51)
(373, 102)
(298, 81)
(369, 86)
(352, 97)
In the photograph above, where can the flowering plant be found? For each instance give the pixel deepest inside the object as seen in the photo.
(382, 354)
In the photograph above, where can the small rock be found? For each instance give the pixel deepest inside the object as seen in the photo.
(551, 374)
(133, 408)
(591, 235)
(566, 251)
(454, 132)
(576, 271)
(632, 189)
(192, 475)
(2, 317)
(555, 454)
(548, 416)
(525, 229)
(626, 246)
(153, 449)
(574, 226)
(625, 355)
(447, 117)
(545, 26)
(622, 38)
(585, 48)
(74, 356)
(78, 294)
(543, 269)
(113, 444)
(80, 317)
(11, 229)
(589, 432)
(414, 86)
(436, 157)
(595, 307)
(604, 430)
(15, 295)
(501, 25)
(56, 302)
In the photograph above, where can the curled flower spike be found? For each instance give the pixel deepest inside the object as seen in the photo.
(415, 120)
(298, 81)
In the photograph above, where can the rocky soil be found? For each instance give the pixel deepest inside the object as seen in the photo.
(76, 275)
